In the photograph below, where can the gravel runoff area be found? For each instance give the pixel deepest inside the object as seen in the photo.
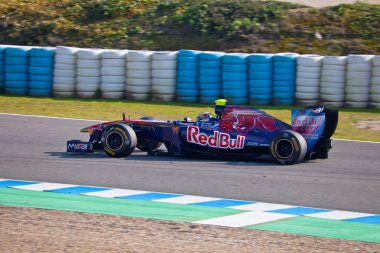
(41, 230)
(324, 3)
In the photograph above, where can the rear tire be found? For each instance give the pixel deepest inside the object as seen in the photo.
(288, 147)
(119, 140)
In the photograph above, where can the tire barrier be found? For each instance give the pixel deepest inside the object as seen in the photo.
(358, 80)
(113, 71)
(284, 78)
(41, 71)
(2, 69)
(375, 83)
(192, 76)
(308, 78)
(333, 78)
(235, 78)
(16, 76)
(64, 80)
(88, 73)
(260, 79)
(164, 70)
(210, 76)
(139, 75)
(187, 76)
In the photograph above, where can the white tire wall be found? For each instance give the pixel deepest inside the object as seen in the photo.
(138, 78)
(88, 72)
(308, 77)
(332, 81)
(64, 75)
(375, 83)
(164, 70)
(357, 90)
(113, 74)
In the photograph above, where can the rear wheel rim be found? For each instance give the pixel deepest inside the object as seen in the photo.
(114, 141)
(284, 148)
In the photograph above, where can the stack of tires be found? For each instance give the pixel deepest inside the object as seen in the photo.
(284, 78)
(41, 71)
(139, 75)
(64, 79)
(1, 69)
(375, 83)
(88, 72)
(333, 78)
(260, 79)
(308, 78)
(210, 76)
(358, 81)
(235, 78)
(187, 76)
(16, 70)
(164, 70)
(112, 83)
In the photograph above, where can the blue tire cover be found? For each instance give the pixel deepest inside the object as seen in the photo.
(186, 86)
(237, 101)
(210, 93)
(187, 73)
(41, 78)
(235, 93)
(184, 52)
(209, 72)
(254, 101)
(283, 83)
(40, 70)
(188, 59)
(210, 64)
(260, 83)
(284, 101)
(210, 79)
(16, 84)
(187, 99)
(284, 71)
(40, 85)
(284, 77)
(286, 95)
(186, 93)
(185, 79)
(187, 66)
(284, 64)
(235, 58)
(210, 56)
(40, 93)
(210, 86)
(267, 90)
(235, 67)
(284, 89)
(16, 51)
(16, 68)
(41, 62)
(261, 67)
(235, 85)
(16, 76)
(260, 58)
(15, 91)
(260, 75)
(285, 58)
(42, 52)
(208, 100)
(234, 77)
(16, 60)
(260, 96)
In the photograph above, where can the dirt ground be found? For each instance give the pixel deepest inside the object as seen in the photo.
(40, 230)
(324, 3)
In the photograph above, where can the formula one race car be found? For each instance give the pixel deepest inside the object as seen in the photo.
(235, 130)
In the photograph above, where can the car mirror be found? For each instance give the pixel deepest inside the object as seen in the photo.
(187, 119)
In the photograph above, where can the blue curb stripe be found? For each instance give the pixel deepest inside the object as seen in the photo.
(299, 210)
(369, 219)
(78, 190)
(150, 196)
(223, 203)
(10, 183)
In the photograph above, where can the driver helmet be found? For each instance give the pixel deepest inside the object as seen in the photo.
(204, 116)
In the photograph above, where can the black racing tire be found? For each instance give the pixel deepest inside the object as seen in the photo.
(119, 140)
(147, 145)
(288, 147)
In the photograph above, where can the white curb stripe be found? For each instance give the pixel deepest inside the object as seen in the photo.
(186, 199)
(260, 206)
(339, 215)
(114, 193)
(245, 219)
(43, 186)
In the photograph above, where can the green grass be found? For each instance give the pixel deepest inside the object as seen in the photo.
(102, 109)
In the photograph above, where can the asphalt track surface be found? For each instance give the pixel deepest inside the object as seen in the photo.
(33, 148)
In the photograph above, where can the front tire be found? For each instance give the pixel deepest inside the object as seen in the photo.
(288, 147)
(119, 140)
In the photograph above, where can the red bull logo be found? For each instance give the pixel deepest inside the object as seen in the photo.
(217, 140)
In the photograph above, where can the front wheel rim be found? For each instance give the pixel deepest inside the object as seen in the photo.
(114, 141)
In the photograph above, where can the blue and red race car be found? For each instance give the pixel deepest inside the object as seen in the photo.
(235, 130)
